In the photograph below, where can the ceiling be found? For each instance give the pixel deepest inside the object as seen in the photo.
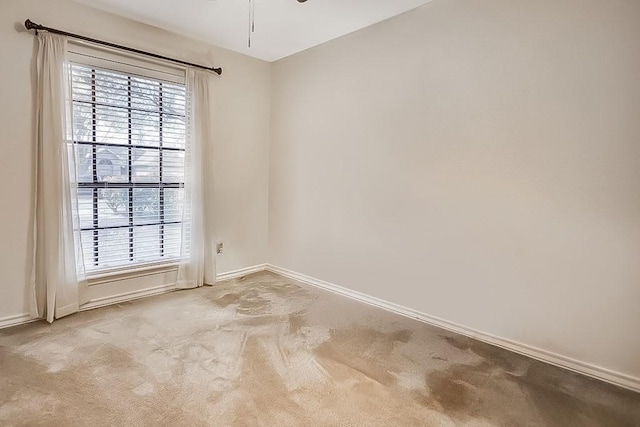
(282, 27)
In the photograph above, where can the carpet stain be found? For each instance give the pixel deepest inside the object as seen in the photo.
(363, 350)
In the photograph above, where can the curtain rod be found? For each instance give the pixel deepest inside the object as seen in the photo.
(30, 25)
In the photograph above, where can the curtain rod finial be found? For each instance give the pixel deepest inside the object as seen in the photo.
(30, 25)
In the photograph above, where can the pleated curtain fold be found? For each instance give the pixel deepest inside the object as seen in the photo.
(197, 262)
(57, 270)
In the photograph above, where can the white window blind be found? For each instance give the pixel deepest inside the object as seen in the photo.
(129, 133)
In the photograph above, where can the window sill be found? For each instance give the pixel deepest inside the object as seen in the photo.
(144, 270)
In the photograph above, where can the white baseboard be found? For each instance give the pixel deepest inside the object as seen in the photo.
(235, 274)
(617, 378)
(127, 296)
(18, 319)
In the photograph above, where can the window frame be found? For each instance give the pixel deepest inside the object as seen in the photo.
(97, 58)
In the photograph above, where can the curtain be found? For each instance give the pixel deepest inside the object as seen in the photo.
(197, 263)
(57, 271)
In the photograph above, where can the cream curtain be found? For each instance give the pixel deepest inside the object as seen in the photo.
(197, 263)
(57, 271)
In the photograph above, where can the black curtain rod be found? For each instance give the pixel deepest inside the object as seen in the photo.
(30, 25)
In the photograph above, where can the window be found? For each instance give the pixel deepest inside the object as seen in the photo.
(129, 133)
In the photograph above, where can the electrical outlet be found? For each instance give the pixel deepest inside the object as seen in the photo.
(219, 247)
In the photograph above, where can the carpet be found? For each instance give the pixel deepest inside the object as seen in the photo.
(267, 351)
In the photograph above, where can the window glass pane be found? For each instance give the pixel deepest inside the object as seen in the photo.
(82, 83)
(173, 99)
(113, 207)
(111, 88)
(172, 235)
(113, 247)
(172, 166)
(146, 246)
(82, 122)
(112, 125)
(145, 128)
(145, 165)
(146, 205)
(84, 163)
(87, 249)
(173, 132)
(144, 94)
(173, 198)
(85, 207)
(112, 164)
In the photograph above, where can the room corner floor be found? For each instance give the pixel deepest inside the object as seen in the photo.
(268, 351)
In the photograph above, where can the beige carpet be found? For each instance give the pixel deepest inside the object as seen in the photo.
(265, 351)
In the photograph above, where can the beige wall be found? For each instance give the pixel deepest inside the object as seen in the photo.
(478, 161)
(241, 143)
